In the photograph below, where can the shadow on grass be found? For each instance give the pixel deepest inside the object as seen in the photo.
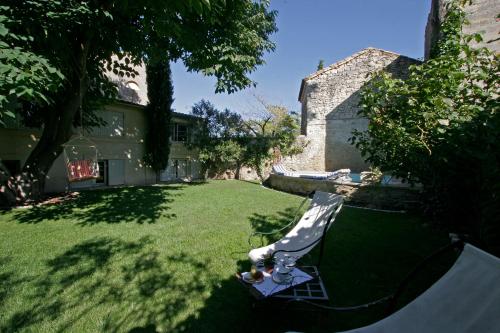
(126, 284)
(273, 222)
(8, 280)
(367, 254)
(231, 308)
(128, 204)
(112, 285)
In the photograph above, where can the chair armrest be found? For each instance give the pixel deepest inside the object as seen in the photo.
(297, 250)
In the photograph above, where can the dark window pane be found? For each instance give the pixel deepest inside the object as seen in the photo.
(182, 132)
(103, 169)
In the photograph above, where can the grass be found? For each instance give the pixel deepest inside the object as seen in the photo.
(146, 259)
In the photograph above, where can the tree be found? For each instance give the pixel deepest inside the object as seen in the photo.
(25, 75)
(158, 113)
(441, 128)
(321, 64)
(276, 129)
(225, 39)
(218, 137)
(228, 142)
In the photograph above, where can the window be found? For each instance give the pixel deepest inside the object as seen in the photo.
(179, 133)
(132, 85)
(114, 124)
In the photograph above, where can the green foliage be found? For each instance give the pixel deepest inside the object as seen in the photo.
(158, 113)
(278, 130)
(441, 128)
(76, 40)
(24, 75)
(321, 65)
(218, 136)
(202, 33)
(225, 155)
(220, 38)
(237, 45)
(226, 141)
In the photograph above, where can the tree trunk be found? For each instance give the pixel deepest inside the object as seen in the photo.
(57, 130)
(7, 192)
(237, 174)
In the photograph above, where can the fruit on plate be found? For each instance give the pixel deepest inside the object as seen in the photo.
(257, 275)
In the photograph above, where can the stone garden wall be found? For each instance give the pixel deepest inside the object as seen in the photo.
(364, 195)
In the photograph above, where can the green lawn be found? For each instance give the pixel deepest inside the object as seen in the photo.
(163, 258)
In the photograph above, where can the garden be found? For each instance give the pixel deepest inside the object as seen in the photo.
(164, 258)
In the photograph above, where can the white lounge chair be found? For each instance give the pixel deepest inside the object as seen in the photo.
(308, 232)
(464, 300)
(280, 169)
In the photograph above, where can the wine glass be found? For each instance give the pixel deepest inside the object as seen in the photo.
(282, 270)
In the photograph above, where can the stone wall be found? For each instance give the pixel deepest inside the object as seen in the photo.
(363, 195)
(330, 100)
(482, 16)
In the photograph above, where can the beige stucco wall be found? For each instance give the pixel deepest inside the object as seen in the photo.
(330, 100)
(16, 144)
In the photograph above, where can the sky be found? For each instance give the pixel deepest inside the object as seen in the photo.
(310, 30)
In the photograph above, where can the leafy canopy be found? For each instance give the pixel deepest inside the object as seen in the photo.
(226, 141)
(51, 40)
(218, 136)
(24, 75)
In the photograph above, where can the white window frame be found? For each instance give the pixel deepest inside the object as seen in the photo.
(175, 132)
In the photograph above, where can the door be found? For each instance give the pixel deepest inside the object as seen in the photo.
(116, 172)
(181, 169)
(102, 180)
(170, 172)
(176, 169)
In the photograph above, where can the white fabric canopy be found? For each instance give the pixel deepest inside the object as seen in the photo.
(308, 230)
(465, 300)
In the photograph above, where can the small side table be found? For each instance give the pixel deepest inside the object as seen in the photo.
(312, 290)
(267, 309)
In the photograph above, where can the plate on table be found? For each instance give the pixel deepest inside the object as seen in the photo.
(248, 278)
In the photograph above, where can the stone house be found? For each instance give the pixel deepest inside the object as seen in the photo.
(330, 96)
(120, 144)
(482, 16)
(330, 100)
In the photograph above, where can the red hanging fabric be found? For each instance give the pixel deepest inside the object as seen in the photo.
(82, 170)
